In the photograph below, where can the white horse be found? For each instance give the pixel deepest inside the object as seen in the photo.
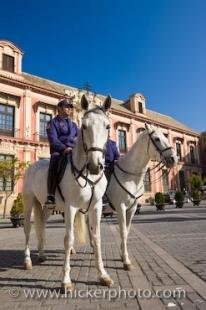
(82, 186)
(127, 180)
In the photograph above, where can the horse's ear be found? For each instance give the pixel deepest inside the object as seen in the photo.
(146, 126)
(107, 103)
(84, 103)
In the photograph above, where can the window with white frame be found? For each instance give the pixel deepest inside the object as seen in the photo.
(192, 154)
(122, 140)
(8, 63)
(6, 120)
(165, 181)
(178, 151)
(44, 118)
(147, 181)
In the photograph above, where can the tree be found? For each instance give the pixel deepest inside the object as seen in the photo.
(195, 182)
(11, 170)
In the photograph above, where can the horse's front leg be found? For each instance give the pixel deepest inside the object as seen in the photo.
(121, 213)
(90, 232)
(68, 245)
(94, 222)
(129, 216)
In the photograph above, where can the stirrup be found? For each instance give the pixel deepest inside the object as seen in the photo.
(50, 203)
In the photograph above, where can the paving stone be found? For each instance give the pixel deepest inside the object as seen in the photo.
(185, 242)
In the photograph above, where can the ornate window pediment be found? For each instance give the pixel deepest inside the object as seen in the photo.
(122, 125)
(9, 97)
(10, 58)
(44, 105)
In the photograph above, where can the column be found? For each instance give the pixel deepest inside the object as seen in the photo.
(27, 114)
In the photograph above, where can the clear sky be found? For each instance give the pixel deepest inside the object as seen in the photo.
(156, 47)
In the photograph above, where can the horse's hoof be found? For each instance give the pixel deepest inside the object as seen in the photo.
(28, 265)
(106, 281)
(128, 267)
(67, 287)
(42, 258)
(73, 251)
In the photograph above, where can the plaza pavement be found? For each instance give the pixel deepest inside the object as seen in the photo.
(168, 250)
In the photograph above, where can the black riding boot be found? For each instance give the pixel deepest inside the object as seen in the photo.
(52, 181)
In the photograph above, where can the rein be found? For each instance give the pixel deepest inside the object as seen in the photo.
(143, 173)
(87, 181)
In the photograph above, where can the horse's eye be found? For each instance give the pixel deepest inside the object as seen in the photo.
(84, 126)
(108, 127)
(157, 139)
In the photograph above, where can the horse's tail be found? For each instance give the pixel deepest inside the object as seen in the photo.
(39, 221)
(80, 225)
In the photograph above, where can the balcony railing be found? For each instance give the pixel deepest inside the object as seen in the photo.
(16, 133)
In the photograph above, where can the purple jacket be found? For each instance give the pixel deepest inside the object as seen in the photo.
(112, 152)
(61, 134)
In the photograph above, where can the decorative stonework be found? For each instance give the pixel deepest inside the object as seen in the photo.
(137, 103)
(8, 148)
(8, 48)
(42, 152)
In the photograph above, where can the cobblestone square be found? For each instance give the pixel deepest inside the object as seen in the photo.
(168, 250)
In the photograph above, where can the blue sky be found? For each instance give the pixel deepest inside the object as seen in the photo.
(156, 47)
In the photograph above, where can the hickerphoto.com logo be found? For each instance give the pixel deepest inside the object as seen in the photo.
(107, 294)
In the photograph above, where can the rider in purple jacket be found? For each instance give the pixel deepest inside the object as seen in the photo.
(111, 155)
(62, 133)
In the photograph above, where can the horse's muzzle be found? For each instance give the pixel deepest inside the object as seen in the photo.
(171, 161)
(93, 169)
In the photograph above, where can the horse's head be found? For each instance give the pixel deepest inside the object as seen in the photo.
(159, 147)
(95, 129)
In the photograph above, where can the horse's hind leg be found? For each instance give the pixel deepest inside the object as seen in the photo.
(41, 216)
(28, 204)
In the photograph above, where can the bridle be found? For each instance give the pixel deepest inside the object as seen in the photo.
(156, 146)
(77, 173)
(159, 165)
(92, 149)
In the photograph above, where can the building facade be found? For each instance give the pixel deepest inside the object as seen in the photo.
(28, 102)
(202, 149)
